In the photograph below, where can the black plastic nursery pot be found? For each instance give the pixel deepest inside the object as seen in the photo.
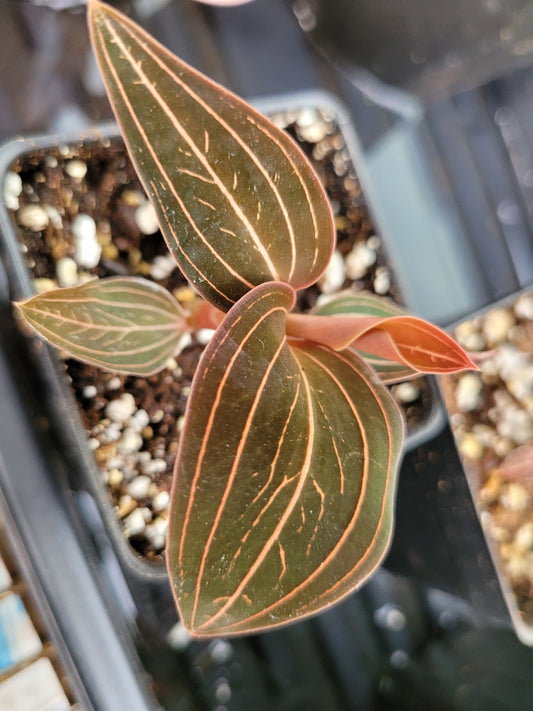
(51, 171)
(490, 416)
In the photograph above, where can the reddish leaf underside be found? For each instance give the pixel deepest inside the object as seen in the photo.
(124, 324)
(237, 201)
(285, 479)
(397, 345)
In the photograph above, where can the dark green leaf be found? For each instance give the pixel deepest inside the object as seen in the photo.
(237, 201)
(284, 488)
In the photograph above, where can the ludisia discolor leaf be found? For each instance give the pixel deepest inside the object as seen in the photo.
(123, 324)
(285, 478)
(237, 201)
(396, 344)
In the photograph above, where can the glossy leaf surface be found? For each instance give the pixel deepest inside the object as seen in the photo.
(237, 201)
(123, 324)
(396, 344)
(285, 479)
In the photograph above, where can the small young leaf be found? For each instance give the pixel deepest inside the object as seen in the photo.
(123, 324)
(383, 333)
(237, 201)
(285, 478)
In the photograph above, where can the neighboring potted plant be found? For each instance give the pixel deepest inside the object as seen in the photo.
(279, 400)
(492, 421)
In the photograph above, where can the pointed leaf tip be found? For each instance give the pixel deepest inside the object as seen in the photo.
(284, 484)
(385, 333)
(238, 202)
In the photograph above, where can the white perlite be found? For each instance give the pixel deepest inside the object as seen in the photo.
(497, 325)
(76, 168)
(139, 420)
(359, 260)
(161, 501)
(333, 277)
(134, 523)
(406, 392)
(12, 190)
(139, 487)
(382, 280)
(468, 392)
(121, 409)
(130, 441)
(34, 217)
(146, 218)
(154, 466)
(87, 250)
(67, 272)
(113, 383)
(162, 266)
(204, 335)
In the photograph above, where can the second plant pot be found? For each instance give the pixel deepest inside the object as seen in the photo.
(491, 415)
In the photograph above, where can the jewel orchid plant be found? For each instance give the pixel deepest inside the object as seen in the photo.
(284, 485)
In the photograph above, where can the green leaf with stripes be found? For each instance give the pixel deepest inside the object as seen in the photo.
(123, 324)
(237, 201)
(283, 495)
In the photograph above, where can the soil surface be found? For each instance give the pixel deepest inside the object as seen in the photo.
(133, 423)
(492, 420)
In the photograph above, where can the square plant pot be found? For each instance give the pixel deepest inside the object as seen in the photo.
(491, 416)
(119, 434)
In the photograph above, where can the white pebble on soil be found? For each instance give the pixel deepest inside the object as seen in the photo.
(67, 272)
(154, 466)
(508, 359)
(162, 266)
(382, 281)
(515, 497)
(89, 391)
(113, 383)
(524, 307)
(204, 335)
(497, 325)
(139, 486)
(359, 260)
(87, 250)
(524, 536)
(12, 190)
(146, 218)
(139, 420)
(130, 441)
(406, 392)
(515, 424)
(76, 168)
(43, 285)
(161, 501)
(178, 637)
(468, 392)
(134, 523)
(333, 277)
(34, 217)
(121, 409)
